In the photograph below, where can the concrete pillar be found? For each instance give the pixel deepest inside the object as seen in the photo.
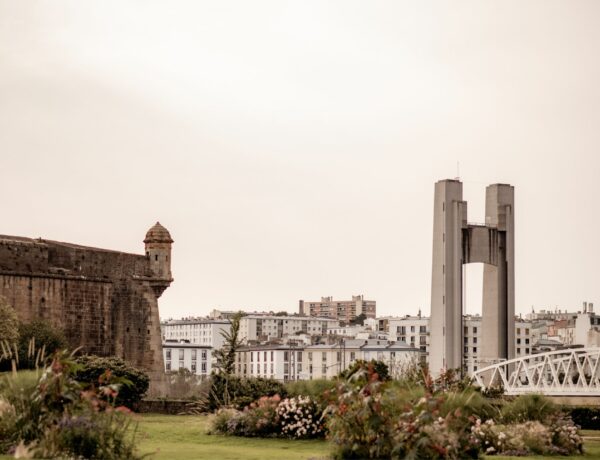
(498, 310)
(449, 218)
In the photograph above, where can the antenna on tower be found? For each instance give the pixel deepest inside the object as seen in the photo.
(458, 170)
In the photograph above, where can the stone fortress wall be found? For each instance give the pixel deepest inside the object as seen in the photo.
(105, 301)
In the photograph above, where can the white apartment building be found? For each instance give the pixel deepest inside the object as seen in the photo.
(198, 331)
(195, 358)
(279, 362)
(327, 361)
(414, 331)
(267, 327)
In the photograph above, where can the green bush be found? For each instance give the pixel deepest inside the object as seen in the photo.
(45, 414)
(223, 390)
(41, 336)
(531, 407)
(322, 391)
(588, 418)
(375, 369)
(133, 382)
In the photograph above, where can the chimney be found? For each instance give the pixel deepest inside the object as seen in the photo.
(591, 307)
(585, 307)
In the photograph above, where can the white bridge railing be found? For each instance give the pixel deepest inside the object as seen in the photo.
(568, 372)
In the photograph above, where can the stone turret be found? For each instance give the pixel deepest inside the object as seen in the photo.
(158, 252)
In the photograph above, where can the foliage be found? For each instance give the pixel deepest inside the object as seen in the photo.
(183, 384)
(225, 356)
(322, 391)
(45, 414)
(531, 407)
(375, 369)
(38, 335)
(9, 326)
(557, 436)
(133, 382)
(300, 417)
(442, 418)
(588, 418)
(359, 320)
(270, 416)
(223, 390)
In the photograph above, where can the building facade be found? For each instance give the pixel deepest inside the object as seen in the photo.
(342, 310)
(195, 358)
(207, 332)
(262, 328)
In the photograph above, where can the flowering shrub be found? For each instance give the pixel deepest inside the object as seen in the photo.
(270, 416)
(300, 417)
(45, 414)
(558, 437)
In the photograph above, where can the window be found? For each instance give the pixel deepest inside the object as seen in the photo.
(466, 349)
(338, 356)
(193, 367)
(265, 368)
(324, 370)
(251, 357)
(203, 367)
(181, 365)
(423, 329)
(286, 368)
(466, 340)
(474, 330)
(401, 330)
(474, 349)
(518, 351)
(474, 339)
(423, 340)
(194, 354)
(526, 341)
(402, 339)
(310, 369)
(168, 354)
(258, 356)
(412, 329)
(272, 354)
(324, 356)
(465, 330)
(352, 356)
(518, 330)
(299, 356)
(518, 341)
(527, 350)
(286, 355)
(265, 356)
(181, 351)
(310, 355)
(168, 365)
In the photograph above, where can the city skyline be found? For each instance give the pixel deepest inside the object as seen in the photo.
(292, 151)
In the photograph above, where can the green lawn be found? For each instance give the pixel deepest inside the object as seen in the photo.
(184, 437)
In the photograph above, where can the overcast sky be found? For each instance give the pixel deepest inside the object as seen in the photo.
(291, 148)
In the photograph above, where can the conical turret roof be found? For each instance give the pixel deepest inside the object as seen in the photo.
(158, 234)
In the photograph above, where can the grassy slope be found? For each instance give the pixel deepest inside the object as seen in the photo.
(184, 437)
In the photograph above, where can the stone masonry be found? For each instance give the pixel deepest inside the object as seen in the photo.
(105, 301)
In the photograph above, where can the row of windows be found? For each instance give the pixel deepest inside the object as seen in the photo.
(182, 366)
(194, 353)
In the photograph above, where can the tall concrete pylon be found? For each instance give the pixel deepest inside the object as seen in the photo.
(455, 243)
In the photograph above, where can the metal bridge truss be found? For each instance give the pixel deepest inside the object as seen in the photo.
(569, 372)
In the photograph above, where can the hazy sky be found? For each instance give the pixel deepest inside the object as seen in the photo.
(291, 147)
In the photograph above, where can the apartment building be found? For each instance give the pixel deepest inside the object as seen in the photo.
(195, 358)
(280, 362)
(343, 310)
(414, 331)
(268, 327)
(200, 331)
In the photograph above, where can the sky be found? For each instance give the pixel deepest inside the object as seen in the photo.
(291, 148)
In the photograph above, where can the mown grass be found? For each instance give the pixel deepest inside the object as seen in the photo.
(184, 437)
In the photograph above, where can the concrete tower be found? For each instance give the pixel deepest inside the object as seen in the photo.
(158, 243)
(455, 243)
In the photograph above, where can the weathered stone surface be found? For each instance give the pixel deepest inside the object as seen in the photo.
(105, 301)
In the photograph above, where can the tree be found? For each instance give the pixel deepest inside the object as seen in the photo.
(9, 323)
(360, 319)
(133, 382)
(34, 337)
(225, 356)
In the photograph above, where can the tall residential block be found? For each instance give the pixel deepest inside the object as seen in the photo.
(343, 310)
(455, 243)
